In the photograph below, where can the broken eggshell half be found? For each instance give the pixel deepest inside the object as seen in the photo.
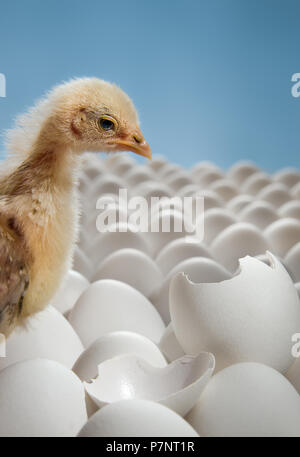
(177, 386)
(250, 317)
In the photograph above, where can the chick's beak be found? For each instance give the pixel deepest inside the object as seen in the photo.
(135, 142)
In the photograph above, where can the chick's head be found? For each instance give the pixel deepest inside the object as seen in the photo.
(92, 114)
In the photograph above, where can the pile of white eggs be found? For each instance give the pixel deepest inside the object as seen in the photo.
(154, 334)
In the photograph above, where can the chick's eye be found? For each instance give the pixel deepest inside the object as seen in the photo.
(106, 124)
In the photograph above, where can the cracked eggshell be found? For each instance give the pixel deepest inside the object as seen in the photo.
(46, 335)
(236, 241)
(177, 386)
(115, 344)
(133, 267)
(199, 269)
(108, 306)
(250, 317)
(283, 235)
(136, 418)
(73, 286)
(247, 400)
(259, 213)
(169, 344)
(40, 398)
(178, 250)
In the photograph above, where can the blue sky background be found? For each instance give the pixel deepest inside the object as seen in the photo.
(211, 78)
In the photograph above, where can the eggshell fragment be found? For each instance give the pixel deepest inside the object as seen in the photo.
(283, 235)
(108, 306)
(133, 267)
(177, 386)
(40, 398)
(46, 335)
(136, 418)
(199, 269)
(250, 317)
(115, 344)
(236, 241)
(247, 400)
(178, 250)
(71, 289)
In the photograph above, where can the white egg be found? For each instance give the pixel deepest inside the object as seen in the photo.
(188, 190)
(178, 180)
(297, 285)
(239, 172)
(214, 221)
(123, 236)
(288, 176)
(202, 167)
(255, 182)
(158, 163)
(108, 306)
(177, 386)
(178, 250)
(107, 184)
(250, 317)
(133, 267)
(114, 344)
(81, 263)
(169, 344)
(225, 189)
(290, 209)
(198, 269)
(259, 213)
(239, 202)
(73, 286)
(276, 194)
(47, 335)
(211, 199)
(150, 189)
(296, 191)
(136, 418)
(247, 400)
(283, 235)
(236, 241)
(292, 261)
(138, 175)
(208, 177)
(40, 398)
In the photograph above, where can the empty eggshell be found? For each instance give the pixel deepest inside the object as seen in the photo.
(198, 269)
(250, 317)
(177, 386)
(73, 286)
(136, 418)
(46, 335)
(178, 250)
(259, 213)
(108, 306)
(40, 398)
(292, 261)
(169, 344)
(236, 241)
(247, 399)
(133, 267)
(115, 344)
(283, 235)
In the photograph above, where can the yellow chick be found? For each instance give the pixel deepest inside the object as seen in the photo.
(38, 201)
